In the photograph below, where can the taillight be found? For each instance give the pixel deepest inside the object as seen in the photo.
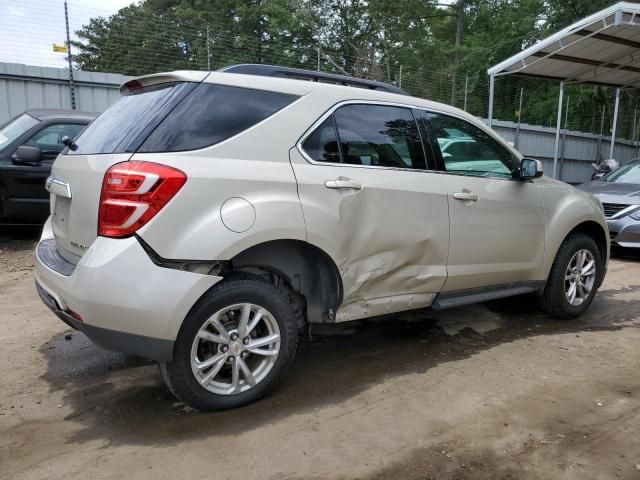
(132, 193)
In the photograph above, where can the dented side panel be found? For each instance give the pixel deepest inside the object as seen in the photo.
(390, 239)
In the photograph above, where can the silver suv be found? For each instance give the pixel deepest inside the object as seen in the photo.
(205, 218)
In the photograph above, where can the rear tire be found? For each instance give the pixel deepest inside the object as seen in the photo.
(233, 347)
(575, 276)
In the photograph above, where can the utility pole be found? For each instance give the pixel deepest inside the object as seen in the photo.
(71, 84)
(459, 34)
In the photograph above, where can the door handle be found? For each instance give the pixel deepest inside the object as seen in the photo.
(343, 183)
(466, 196)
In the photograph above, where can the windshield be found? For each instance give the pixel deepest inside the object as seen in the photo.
(629, 173)
(16, 127)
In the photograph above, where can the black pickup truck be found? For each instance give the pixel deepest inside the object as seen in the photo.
(29, 144)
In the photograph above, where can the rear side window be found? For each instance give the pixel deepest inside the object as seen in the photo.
(370, 135)
(120, 127)
(213, 113)
(322, 144)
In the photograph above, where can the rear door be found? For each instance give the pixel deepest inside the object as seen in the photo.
(497, 222)
(370, 201)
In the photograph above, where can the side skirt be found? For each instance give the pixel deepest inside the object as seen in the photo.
(459, 298)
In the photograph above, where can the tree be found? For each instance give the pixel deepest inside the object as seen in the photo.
(440, 49)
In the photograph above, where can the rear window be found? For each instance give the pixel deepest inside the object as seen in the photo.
(211, 114)
(173, 117)
(120, 128)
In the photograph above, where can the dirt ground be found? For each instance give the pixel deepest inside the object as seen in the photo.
(486, 392)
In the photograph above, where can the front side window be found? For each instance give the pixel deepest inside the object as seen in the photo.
(49, 139)
(369, 135)
(15, 128)
(468, 150)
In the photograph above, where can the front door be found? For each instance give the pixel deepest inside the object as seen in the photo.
(371, 204)
(497, 222)
(26, 199)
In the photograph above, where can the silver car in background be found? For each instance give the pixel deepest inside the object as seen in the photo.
(619, 192)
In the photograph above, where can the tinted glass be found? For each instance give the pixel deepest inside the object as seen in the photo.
(379, 135)
(212, 113)
(127, 119)
(49, 139)
(468, 150)
(16, 127)
(322, 144)
(629, 173)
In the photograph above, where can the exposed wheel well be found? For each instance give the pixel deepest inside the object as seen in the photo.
(305, 268)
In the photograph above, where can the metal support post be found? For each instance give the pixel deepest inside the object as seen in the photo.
(208, 50)
(466, 90)
(516, 142)
(491, 88)
(556, 150)
(615, 123)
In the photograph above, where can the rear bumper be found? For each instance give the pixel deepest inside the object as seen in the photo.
(125, 301)
(624, 232)
(148, 347)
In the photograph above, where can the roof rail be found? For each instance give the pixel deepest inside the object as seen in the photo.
(301, 74)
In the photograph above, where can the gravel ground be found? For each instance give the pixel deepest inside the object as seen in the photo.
(486, 392)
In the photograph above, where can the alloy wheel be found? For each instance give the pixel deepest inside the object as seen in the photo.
(580, 277)
(235, 349)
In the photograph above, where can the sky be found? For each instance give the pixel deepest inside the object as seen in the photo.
(29, 28)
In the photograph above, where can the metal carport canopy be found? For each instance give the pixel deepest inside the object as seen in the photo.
(603, 49)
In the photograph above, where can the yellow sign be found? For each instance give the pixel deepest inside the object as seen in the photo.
(59, 48)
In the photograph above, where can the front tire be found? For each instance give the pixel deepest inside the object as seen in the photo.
(233, 347)
(575, 276)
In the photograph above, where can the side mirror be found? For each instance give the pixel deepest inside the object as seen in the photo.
(26, 155)
(530, 169)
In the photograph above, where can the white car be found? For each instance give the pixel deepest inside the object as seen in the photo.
(205, 218)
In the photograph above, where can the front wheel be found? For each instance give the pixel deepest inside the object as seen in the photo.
(574, 279)
(233, 347)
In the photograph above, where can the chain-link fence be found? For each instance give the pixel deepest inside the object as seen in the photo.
(135, 42)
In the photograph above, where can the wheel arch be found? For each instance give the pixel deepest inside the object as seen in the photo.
(305, 268)
(590, 228)
(595, 231)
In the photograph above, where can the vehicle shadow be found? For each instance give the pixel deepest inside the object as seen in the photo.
(626, 254)
(122, 399)
(18, 237)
